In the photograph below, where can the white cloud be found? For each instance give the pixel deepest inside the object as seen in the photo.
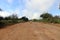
(33, 8)
(30, 14)
(10, 12)
(4, 13)
(27, 13)
(41, 5)
(35, 16)
(16, 11)
(37, 7)
(10, 1)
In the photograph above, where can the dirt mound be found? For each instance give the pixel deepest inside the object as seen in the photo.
(30, 31)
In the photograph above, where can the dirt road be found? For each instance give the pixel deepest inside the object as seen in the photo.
(31, 31)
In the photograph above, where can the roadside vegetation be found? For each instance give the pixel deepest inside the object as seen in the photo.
(48, 18)
(13, 19)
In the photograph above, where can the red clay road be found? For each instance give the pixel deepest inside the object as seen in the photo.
(31, 31)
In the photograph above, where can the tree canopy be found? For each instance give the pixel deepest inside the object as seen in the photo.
(24, 18)
(46, 15)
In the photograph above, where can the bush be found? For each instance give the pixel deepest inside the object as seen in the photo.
(24, 19)
(1, 18)
(49, 18)
(46, 15)
(56, 20)
(14, 21)
(2, 24)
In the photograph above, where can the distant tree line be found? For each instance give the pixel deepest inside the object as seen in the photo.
(47, 17)
(12, 19)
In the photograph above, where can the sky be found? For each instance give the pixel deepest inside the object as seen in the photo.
(29, 8)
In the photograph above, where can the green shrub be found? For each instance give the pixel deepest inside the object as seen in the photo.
(2, 24)
(25, 19)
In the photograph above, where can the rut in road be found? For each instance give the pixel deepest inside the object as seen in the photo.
(30, 31)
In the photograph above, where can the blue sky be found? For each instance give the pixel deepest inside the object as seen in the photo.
(29, 8)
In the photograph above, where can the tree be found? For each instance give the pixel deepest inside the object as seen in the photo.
(24, 18)
(8, 18)
(56, 17)
(14, 16)
(1, 18)
(11, 17)
(46, 15)
(1, 9)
